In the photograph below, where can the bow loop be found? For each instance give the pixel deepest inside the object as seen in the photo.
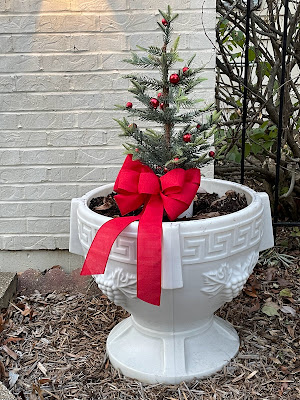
(173, 181)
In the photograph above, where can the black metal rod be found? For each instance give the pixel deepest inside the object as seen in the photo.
(281, 105)
(286, 223)
(244, 121)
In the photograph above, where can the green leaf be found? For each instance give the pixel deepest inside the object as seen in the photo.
(285, 293)
(270, 309)
(256, 148)
(234, 154)
(267, 145)
(176, 42)
(247, 149)
(191, 60)
(251, 55)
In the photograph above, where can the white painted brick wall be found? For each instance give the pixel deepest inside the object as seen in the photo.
(61, 74)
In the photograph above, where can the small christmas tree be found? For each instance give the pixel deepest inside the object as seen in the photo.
(183, 142)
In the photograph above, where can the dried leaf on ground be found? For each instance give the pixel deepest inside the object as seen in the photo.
(285, 293)
(288, 310)
(270, 308)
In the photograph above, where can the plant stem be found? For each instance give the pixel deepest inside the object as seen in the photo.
(165, 75)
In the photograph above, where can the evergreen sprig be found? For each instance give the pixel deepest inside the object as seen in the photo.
(164, 102)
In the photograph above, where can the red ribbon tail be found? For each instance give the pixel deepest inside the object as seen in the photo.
(98, 253)
(149, 252)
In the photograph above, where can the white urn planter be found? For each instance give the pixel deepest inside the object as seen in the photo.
(205, 263)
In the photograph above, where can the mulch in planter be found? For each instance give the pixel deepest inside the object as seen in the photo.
(206, 205)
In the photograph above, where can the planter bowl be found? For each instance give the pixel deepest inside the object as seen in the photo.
(205, 263)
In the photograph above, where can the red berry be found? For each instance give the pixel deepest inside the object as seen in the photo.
(176, 159)
(164, 22)
(174, 78)
(159, 95)
(162, 106)
(129, 104)
(132, 126)
(187, 137)
(211, 154)
(154, 102)
(185, 69)
(198, 126)
(166, 169)
(136, 150)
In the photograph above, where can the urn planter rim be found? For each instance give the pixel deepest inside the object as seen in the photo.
(254, 205)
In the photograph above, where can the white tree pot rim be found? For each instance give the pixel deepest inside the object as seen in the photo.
(253, 199)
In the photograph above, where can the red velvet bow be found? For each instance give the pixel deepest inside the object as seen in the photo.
(138, 185)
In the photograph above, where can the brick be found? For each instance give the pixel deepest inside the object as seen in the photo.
(84, 137)
(42, 83)
(8, 121)
(114, 61)
(91, 81)
(67, 23)
(10, 157)
(40, 43)
(125, 22)
(26, 175)
(48, 225)
(17, 24)
(201, 39)
(46, 156)
(66, 63)
(102, 80)
(7, 83)
(50, 192)
(20, 62)
(32, 242)
(25, 209)
(10, 192)
(98, 42)
(203, 58)
(193, 21)
(6, 44)
(47, 120)
(98, 5)
(88, 101)
(30, 6)
(12, 139)
(142, 39)
(60, 209)
(75, 174)
(3, 5)
(61, 242)
(12, 225)
(110, 99)
(82, 173)
(157, 4)
(57, 101)
(96, 119)
(99, 156)
(196, 4)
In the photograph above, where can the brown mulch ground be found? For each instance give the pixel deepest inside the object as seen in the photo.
(53, 345)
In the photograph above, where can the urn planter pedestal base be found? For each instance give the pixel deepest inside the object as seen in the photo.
(205, 263)
(152, 356)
